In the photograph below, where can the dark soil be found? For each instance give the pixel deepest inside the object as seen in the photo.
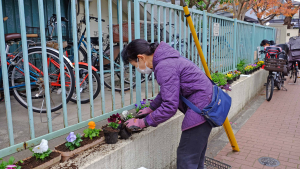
(110, 129)
(32, 162)
(84, 142)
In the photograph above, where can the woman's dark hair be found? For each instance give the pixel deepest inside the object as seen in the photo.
(264, 42)
(272, 42)
(136, 47)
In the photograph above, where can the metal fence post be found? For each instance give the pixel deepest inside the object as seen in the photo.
(265, 33)
(204, 37)
(234, 43)
(136, 6)
(253, 39)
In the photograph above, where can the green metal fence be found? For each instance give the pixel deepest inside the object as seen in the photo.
(224, 42)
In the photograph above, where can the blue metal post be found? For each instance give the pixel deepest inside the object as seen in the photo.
(76, 59)
(6, 85)
(234, 43)
(129, 40)
(146, 38)
(26, 69)
(204, 37)
(101, 56)
(121, 49)
(152, 41)
(89, 58)
(136, 7)
(61, 60)
(253, 40)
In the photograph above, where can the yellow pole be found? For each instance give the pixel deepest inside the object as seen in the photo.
(226, 125)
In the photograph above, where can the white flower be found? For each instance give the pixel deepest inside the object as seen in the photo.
(43, 147)
(125, 113)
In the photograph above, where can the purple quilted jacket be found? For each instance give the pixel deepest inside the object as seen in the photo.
(177, 75)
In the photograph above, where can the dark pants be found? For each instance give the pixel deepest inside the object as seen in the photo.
(192, 147)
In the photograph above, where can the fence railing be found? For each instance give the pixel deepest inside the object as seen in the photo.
(43, 79)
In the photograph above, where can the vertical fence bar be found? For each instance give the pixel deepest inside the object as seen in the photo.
(6, 86)
(152, 41)
(234, 43)
(209, 43)
(61, 60)
(253, 39)
(101, 55)
(129, 40)
(189, 42)
(26, 69)
(204, 33)
(112, 73)
(265, 32)
(145, 36)
(76, 59)
(180, 33)
(185, 40)
(218, 48)
(158, 34)
(196, 22)
(165, 23)
(121, 49)
(193, 43)
(137, 36)
(175, 30)
(89, 58)
(222, 45)
(170, 26)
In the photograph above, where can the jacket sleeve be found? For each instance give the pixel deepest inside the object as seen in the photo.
(156, 102)
(169, 82)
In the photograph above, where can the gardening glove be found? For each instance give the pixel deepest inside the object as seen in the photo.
(143, 113)
(136, 124)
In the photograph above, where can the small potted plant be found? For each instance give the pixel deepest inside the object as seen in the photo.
(42, 157)
(247, 70)
(229, 77)
(111, 130)
(9, 164)
(239, 74)
(143, 105)
(125, 133)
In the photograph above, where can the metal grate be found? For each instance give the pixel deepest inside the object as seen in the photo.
(268, 161)
(215, 164)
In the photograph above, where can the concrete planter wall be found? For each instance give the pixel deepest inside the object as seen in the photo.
(156, 147)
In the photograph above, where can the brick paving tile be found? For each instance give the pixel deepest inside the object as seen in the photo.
(272, 131)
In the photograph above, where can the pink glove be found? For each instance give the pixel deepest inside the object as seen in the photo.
(135, 124)
(143, 113)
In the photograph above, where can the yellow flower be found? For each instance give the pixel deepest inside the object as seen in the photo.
(229, 75)
(92, 125)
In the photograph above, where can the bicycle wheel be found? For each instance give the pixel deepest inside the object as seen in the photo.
(269, 88)
(84, 85)
(280, 81)
(37, 80)
(295, 75)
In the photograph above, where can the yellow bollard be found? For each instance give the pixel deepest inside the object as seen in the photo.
(226, 125)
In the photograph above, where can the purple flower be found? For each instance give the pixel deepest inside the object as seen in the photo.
(71, 137)
(136, 105)
(143, 102)
(140, 107)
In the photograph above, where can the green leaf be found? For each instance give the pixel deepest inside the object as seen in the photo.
(77, 144)
(94, 135)
(86, 131)
(71, 148)
(78, 136)
(91, 137)
(21, 161)
(11, 160)
(18, 167)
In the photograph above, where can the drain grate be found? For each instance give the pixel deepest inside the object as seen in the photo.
(268, 161)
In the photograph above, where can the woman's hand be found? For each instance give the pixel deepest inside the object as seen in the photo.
(143, 113)
(135, 124)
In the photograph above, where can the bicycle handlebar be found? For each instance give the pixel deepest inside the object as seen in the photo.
(91, 17)
(32, 35)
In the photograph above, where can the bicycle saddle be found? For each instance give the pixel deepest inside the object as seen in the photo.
(12, 37)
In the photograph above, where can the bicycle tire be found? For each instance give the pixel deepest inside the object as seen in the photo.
(295, 75)
(97, 78)
(280, 83)
(68, 67)
(269, 88)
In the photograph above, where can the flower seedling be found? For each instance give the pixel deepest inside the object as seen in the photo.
(41, 151)
(127, 115)
(143, 105)
(114, 120)
(73, 141)
(9, 164)
(229, 76)
(91, 132)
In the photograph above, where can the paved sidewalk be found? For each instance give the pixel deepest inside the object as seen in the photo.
(272, 131)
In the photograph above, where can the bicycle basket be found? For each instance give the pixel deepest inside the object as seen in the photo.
(116, 33)
(276, 65)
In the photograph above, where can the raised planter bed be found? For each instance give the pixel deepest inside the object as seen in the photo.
(32, 163)
(85, 144)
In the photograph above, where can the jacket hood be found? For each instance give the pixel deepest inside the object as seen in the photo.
(162, 52)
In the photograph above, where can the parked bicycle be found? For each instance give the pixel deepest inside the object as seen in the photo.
(276, 64)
